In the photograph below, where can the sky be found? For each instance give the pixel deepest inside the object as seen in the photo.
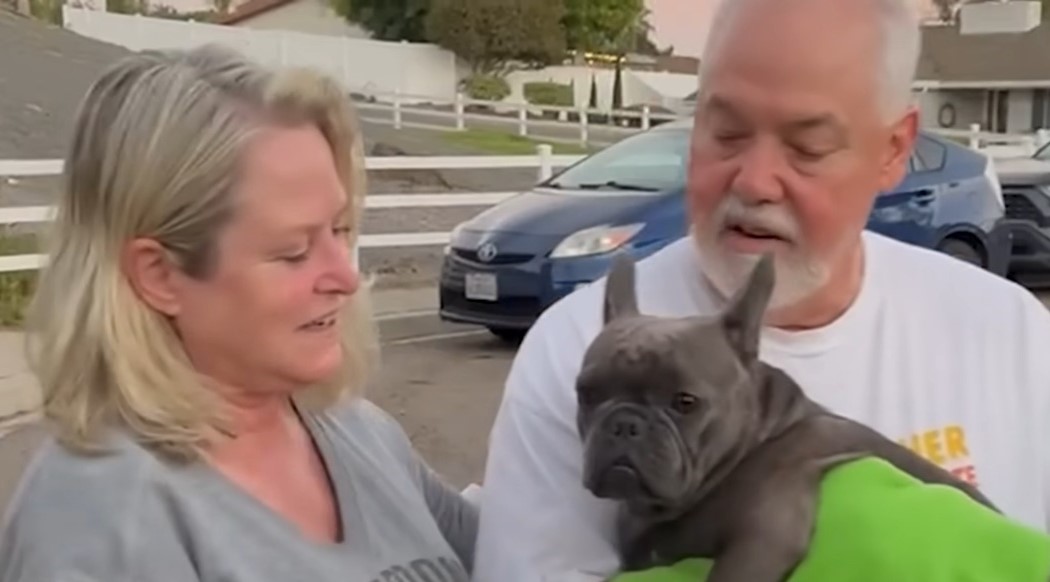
(684, 23)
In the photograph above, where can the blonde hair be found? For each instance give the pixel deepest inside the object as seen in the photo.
(155, 150)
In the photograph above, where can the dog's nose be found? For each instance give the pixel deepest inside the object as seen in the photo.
(627, 426)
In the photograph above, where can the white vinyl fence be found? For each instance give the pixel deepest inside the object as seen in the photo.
(570, 125)
(549, 123)
(544, 161)
(997, 145)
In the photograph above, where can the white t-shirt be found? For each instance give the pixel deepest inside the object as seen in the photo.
(934, 353)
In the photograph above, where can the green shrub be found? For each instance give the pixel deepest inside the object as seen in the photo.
(47, 10)
(549, 93)
(486, 87)
(16, 288)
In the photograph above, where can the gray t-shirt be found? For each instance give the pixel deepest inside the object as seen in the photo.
(129, 517)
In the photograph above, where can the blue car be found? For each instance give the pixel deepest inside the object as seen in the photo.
(508, 264)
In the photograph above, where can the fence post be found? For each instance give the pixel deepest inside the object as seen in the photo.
(583, 127)
(975, 136)
(523, 120)
(645, 117)
(397, 109)
(545, 151)
(460, 121)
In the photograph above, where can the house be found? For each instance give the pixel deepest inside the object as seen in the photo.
(307, 16)
(992, 68)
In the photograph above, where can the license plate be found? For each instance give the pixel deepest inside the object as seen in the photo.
(481, 287)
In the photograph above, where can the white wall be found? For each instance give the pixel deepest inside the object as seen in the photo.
(1019, 111)
(968, 104)
(361, 65)
(639, 87)
(309, 16)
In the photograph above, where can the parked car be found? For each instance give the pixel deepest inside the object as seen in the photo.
(509, 263)
(1026, 190)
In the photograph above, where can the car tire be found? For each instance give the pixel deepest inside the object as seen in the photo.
(963, 250)
(510, 336)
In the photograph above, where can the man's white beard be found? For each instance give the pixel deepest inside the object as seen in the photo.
(798, 273)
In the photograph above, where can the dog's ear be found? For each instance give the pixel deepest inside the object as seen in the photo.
(743, 318)
(620, 294)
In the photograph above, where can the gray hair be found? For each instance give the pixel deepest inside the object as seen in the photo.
(900, 46)
(155, 151)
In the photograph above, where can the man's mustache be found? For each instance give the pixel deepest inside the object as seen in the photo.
(767, 219)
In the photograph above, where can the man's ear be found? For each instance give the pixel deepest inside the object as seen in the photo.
(152, 274)
(901, 143)
(742, 320)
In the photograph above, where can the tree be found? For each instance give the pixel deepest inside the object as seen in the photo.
(613, 27)
(387, 19)
(606, 26)
(493, 36)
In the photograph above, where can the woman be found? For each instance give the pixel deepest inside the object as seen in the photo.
(200, 278)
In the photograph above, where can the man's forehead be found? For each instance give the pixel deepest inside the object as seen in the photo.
(803, 119)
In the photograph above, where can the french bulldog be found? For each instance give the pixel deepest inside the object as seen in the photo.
(710, 451)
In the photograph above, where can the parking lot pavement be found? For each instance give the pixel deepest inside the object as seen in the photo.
(445, 394)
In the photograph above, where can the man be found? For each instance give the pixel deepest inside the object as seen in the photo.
(804, 115)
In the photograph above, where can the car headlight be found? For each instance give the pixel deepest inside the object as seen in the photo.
(596, 240)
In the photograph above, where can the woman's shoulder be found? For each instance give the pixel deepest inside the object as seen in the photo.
(105, 477)
(366, 433)
(360, 418)
(68, 501)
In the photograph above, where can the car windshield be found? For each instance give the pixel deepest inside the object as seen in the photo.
(653, 161)
(1043, 153)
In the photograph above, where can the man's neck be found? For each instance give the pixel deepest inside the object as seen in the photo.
(829, 302)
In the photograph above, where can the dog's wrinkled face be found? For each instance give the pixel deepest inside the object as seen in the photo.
(662, 401)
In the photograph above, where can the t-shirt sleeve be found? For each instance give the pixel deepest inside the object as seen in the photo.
(1027, 321)
(1035, 320)
(537, 520)
(59, 530)
(455, 516)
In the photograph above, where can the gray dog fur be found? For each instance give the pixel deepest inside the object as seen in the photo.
(712, 452)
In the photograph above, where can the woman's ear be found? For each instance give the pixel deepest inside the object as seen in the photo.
(152, 274)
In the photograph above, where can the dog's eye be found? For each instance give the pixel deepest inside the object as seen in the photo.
(685, 402)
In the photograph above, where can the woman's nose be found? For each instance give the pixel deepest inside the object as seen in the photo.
(340, 274)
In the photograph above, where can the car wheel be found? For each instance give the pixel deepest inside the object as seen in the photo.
(963, 250)
(511, 336)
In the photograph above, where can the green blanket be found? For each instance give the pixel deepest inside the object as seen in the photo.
(875, 523)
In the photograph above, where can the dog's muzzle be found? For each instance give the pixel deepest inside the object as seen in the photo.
(611, 473)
